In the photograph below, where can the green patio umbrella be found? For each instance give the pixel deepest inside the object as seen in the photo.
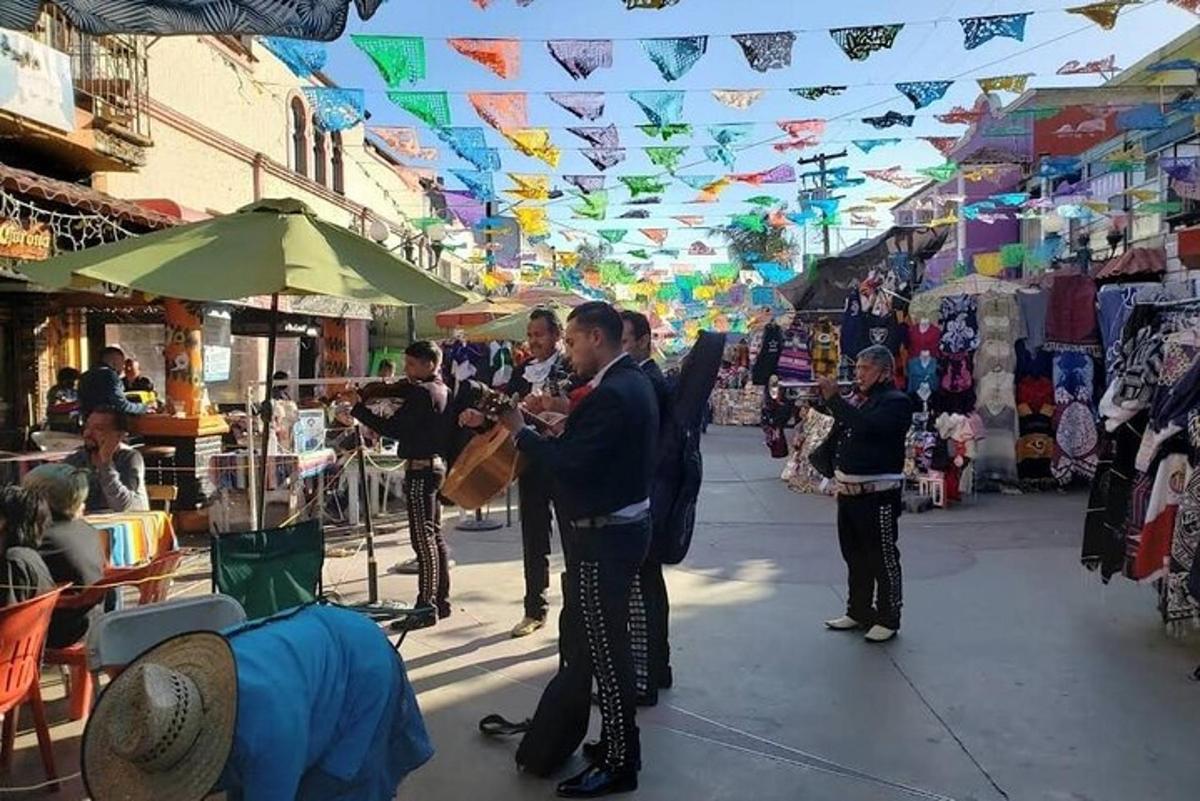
(270, 247)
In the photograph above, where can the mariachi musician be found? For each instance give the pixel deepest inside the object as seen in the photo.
(421, 428)
(545, 374)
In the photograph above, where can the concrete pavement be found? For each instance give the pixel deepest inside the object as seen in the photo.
(1017, 675)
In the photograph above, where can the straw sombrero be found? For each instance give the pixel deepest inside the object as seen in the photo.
(164, 727)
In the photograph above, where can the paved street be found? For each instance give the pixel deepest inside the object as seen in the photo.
(1017, 675)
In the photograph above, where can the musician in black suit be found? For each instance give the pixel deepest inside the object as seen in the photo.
(603, 466)
(545, 373)
(649, 608)
(419, 428)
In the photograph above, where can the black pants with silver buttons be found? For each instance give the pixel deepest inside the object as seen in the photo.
(425, 532)
(649, 611)
(867, 532)
(608, 562)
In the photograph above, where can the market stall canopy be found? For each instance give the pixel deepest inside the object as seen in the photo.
(926, 304)
(314, 19)
(269, 247)
(826, 286)
(1135, 263)
(512, 327)
(538, 296)
(477, 312)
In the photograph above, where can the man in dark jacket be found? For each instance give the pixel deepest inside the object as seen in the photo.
(101, 386)
(545, 373)
(419, 429)
(602, 466)
(649, 606)
(869, 465)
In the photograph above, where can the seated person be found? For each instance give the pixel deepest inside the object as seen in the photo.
(70, 547)
(24, 517)
(62, 403)
(134, 381)
(102, 386)
(116, 472)
(312, 704)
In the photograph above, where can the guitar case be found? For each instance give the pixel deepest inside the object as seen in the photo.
(681, 466)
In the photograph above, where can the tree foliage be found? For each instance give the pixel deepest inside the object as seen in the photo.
(747, 248)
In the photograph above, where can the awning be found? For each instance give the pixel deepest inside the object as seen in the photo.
(170, 208)
(62, 193)
(827, 285)
(1134, 263)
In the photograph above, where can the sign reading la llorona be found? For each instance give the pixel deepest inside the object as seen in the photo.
(23, 242)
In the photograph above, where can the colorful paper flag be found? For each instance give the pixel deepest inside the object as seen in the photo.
(300, 56)
(503, 111)
(399, 59)
(1004, 83)
(817, 92)
(675, 56)
(859, 43)
(535, 142)
(501, 56)
(584, 105)
(662, 108)
(740, 99)
(980, 30)
(767, 51)
(335, 108)
(889, 120)
(581, 57)
(1103, 14)
(924, 93)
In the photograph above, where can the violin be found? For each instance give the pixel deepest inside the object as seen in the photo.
(379, 390)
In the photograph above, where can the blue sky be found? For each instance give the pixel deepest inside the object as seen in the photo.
(924, 50)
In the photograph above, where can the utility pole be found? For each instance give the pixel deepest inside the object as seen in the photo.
(821, 191)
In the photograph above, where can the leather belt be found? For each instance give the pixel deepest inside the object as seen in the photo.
(607, 521)
(867, 487)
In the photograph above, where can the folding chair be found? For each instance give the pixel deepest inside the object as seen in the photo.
(270, 570)
(117, 638)
(152, 582)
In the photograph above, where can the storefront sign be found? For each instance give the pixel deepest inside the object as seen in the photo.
(24, 241)
(35, 81)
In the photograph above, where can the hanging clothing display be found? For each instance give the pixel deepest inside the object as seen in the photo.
(1075, 436)
(767, 362)
(824, 348)
(1143, 515)
(923, 335)
(795, 364)
(1071, 321)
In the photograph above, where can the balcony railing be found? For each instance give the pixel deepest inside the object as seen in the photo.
(110, 76)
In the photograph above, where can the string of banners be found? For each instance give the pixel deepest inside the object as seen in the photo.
(402, 59)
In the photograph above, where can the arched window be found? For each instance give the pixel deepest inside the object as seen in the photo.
(299, 137)
(339, 167)
(319, 154)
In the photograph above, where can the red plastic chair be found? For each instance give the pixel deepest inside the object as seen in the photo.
(153, 581)
(23, 629)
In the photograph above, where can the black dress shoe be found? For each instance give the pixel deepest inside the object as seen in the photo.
(598, 781)
(594, 752)
(648, 698)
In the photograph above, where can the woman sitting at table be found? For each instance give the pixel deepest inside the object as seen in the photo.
(70, 547)
(24, 517)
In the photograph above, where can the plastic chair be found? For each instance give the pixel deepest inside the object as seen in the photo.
(153, 582)
(117, 638)
(270, 570)
(23, 629)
